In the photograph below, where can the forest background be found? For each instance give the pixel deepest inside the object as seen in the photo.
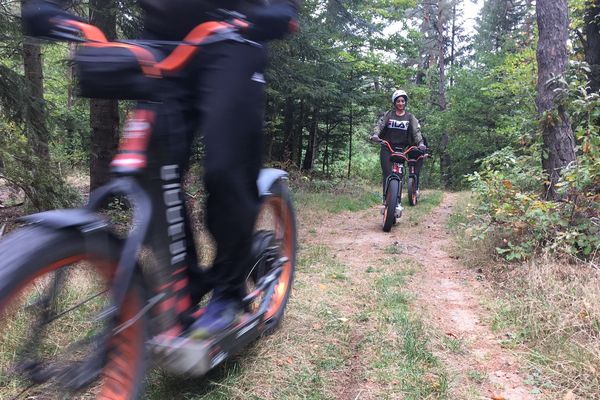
(511, 110)
(518, 127)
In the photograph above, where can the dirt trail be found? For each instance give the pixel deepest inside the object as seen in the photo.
(447, 296)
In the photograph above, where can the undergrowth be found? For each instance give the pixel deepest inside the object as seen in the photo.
(547, 308)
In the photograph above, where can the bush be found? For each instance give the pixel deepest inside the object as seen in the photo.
(513, 207)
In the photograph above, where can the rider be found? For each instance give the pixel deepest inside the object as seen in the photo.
(220, 94)
(398, 127)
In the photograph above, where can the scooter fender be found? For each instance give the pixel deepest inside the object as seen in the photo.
(79, 218)
(267, 177)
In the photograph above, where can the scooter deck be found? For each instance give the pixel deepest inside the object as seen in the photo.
(193, 357)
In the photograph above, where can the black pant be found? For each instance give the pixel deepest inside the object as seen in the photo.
(221, 96)
(418, 166)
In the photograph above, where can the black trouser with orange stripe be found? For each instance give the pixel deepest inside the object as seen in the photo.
(220, 97)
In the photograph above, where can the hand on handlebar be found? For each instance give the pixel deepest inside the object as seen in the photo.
(422, 147)
(375, 138)
(41, 18)
(272, 22)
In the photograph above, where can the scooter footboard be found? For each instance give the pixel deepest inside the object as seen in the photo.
(192, 357)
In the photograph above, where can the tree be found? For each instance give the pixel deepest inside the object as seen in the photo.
(439, 15)
(592, 43)
(104, 114)
(552, 58)
(37, 131)
(500, 22)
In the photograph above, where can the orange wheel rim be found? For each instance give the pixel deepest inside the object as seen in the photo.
(119, 374)
(123, 364)
(284, 231)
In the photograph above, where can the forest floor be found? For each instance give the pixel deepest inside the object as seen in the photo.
(448, 297)
(373, 316)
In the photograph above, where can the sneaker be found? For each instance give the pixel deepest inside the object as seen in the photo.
(220, 314)
(399, 211)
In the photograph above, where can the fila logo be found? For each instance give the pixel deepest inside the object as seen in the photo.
(395, 124)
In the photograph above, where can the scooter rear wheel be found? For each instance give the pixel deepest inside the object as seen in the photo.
(276, 220)
(412, 191)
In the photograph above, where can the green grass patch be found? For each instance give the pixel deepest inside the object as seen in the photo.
(428, 201)
(402, 361)
(335, 203)
(453, 345)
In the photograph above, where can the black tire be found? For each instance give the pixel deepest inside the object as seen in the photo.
(391, 201)
(55, 335)
(277, 220)
(412, 191)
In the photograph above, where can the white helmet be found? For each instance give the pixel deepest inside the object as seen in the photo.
(399, 93)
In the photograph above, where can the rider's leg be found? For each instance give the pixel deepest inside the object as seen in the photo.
(231, 86)
(386, 166)
(418, 166)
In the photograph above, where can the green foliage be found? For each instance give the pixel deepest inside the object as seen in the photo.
(489, 108)
(513, 208)
(335, 195)
(43, 187)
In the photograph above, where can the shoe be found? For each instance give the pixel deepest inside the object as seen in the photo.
(398, 212)
(221, 313)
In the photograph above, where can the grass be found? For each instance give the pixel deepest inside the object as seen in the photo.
(336, 203)
(545, 309)
(427, 202)
(404, 363)
(77, 294)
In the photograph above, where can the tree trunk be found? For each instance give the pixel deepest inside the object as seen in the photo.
(325, 168)
(350, 140)
(297, 139)
(104, 114)
(445, 160)
(37, 131)
(592, 44)
(424, 57)
(552, 57)
(440, 28)
(452, 43)
(309, 156)
(288, 134)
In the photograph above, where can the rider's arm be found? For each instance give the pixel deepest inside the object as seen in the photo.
(379, 126)
(39, 17)
(275, 20)
(415, 131)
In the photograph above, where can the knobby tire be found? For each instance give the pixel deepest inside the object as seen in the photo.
(412, 191)
(37, 267)
(391, 201)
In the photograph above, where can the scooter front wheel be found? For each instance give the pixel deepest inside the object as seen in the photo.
(391, 202)
(58, 330)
